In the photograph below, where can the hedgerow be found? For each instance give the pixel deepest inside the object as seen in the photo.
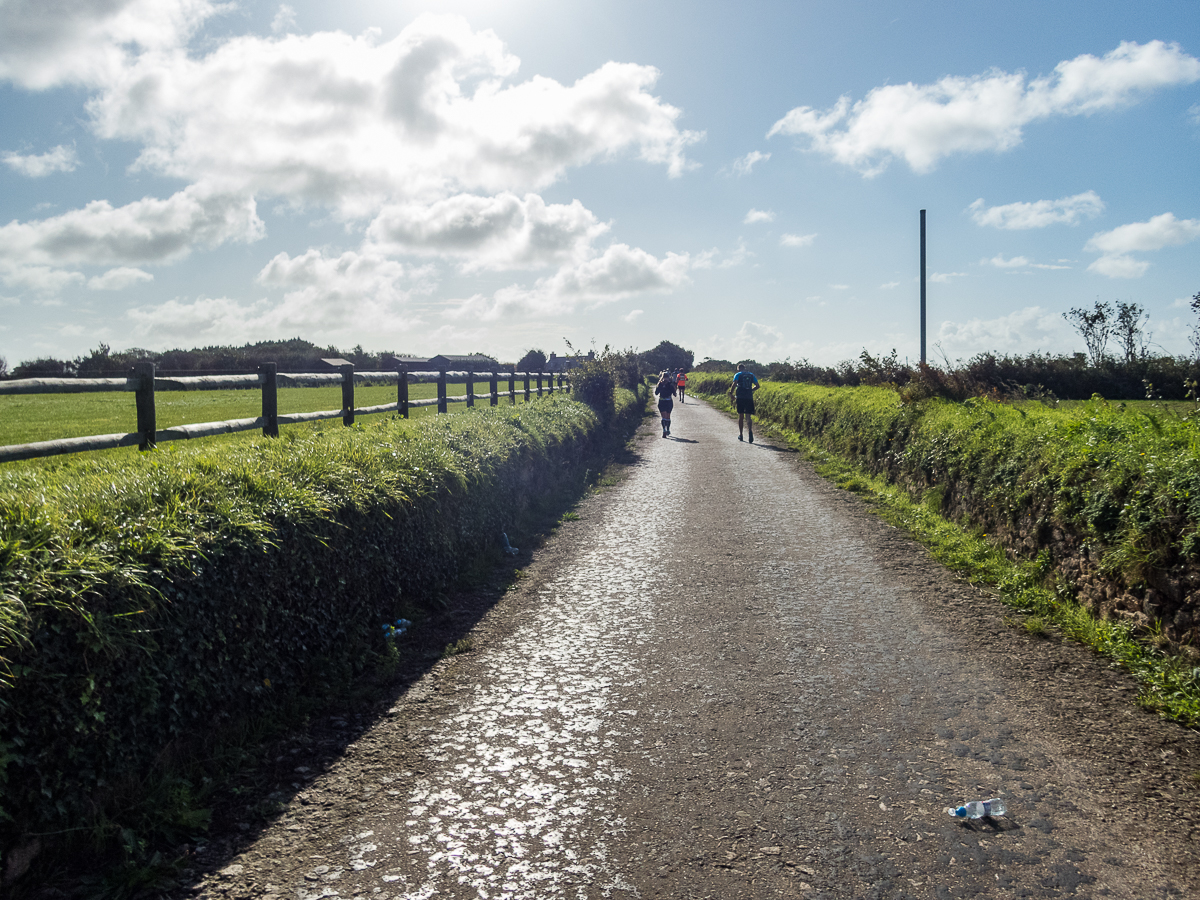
(1112, 493)
(1085, 517)
(149, 600)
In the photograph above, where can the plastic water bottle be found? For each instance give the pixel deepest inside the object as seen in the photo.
(977, 809)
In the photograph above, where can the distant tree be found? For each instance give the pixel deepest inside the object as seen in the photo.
(666, 356)
(882, 370)
(97, 364)
(1127, 328)
(3, 367)
(1094, 325)
(362, 360)
(532, 361)
(714, 365)
(45, 367)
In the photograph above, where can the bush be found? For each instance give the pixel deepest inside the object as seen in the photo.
(151, 601)
(1113, 494)
(592, 383)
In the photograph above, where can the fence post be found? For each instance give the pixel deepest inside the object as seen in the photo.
(470, 387)
(550, 383)
(539, 381)
(441, 390)
(147, 422)
(512, 387)
(495, 398)
(270, 399)
(526, 374)
(402, 391)
(347, 394)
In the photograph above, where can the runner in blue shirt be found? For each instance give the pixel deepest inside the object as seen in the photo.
(742, 391)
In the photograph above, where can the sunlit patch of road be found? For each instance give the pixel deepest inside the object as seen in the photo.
(525, 769)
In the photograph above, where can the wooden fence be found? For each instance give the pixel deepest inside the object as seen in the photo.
(143, 383)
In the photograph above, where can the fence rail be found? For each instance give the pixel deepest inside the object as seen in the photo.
(143, 383)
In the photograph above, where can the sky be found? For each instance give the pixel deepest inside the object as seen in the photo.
(744, 180)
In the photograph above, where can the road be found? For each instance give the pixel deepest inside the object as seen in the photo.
(728, 679)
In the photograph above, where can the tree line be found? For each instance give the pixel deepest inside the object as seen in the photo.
(295, 355)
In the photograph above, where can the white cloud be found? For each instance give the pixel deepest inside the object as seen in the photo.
(944, 277)
(1039, 214)
(889, 285)
(1023, 331)
(619, 272)
(632, 316)
(1016, 262)
(744, 164)
(758, 215)
(429, 136)
(145, 231)
(1155, 234)
(57, 159)
(1000, 262)
(840, 287)
(43, 43)
(340, 311)
(501, 232)
(353, 122)
(754, 340)
(736, 258)
(206, 320)
(313, 281)
(922, 124)
(118, 279)
(1118, 265)
(284, 21)
(42, 279)
(797, 240)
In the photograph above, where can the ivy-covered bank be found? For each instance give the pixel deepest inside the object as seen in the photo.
(1110, 494)
(148, 601)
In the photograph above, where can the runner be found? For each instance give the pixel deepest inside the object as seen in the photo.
(681, 383)
(742, 391)
(665, 391)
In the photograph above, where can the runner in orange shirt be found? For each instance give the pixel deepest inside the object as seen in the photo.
(681, 383)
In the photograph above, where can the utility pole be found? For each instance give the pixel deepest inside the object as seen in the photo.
(922, 287)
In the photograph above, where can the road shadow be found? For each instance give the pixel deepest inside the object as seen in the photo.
(679, 440)
(776, 448)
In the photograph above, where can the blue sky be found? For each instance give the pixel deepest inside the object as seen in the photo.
(742, 179)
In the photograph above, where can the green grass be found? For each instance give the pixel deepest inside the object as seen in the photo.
(26, 418)
(462, 645)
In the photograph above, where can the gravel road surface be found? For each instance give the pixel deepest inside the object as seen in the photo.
(729, 679)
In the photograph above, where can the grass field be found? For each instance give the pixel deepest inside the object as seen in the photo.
(25, 418)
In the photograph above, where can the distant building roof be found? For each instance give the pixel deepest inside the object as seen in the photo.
(412, 363)
(558, 363)
(472, 361)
